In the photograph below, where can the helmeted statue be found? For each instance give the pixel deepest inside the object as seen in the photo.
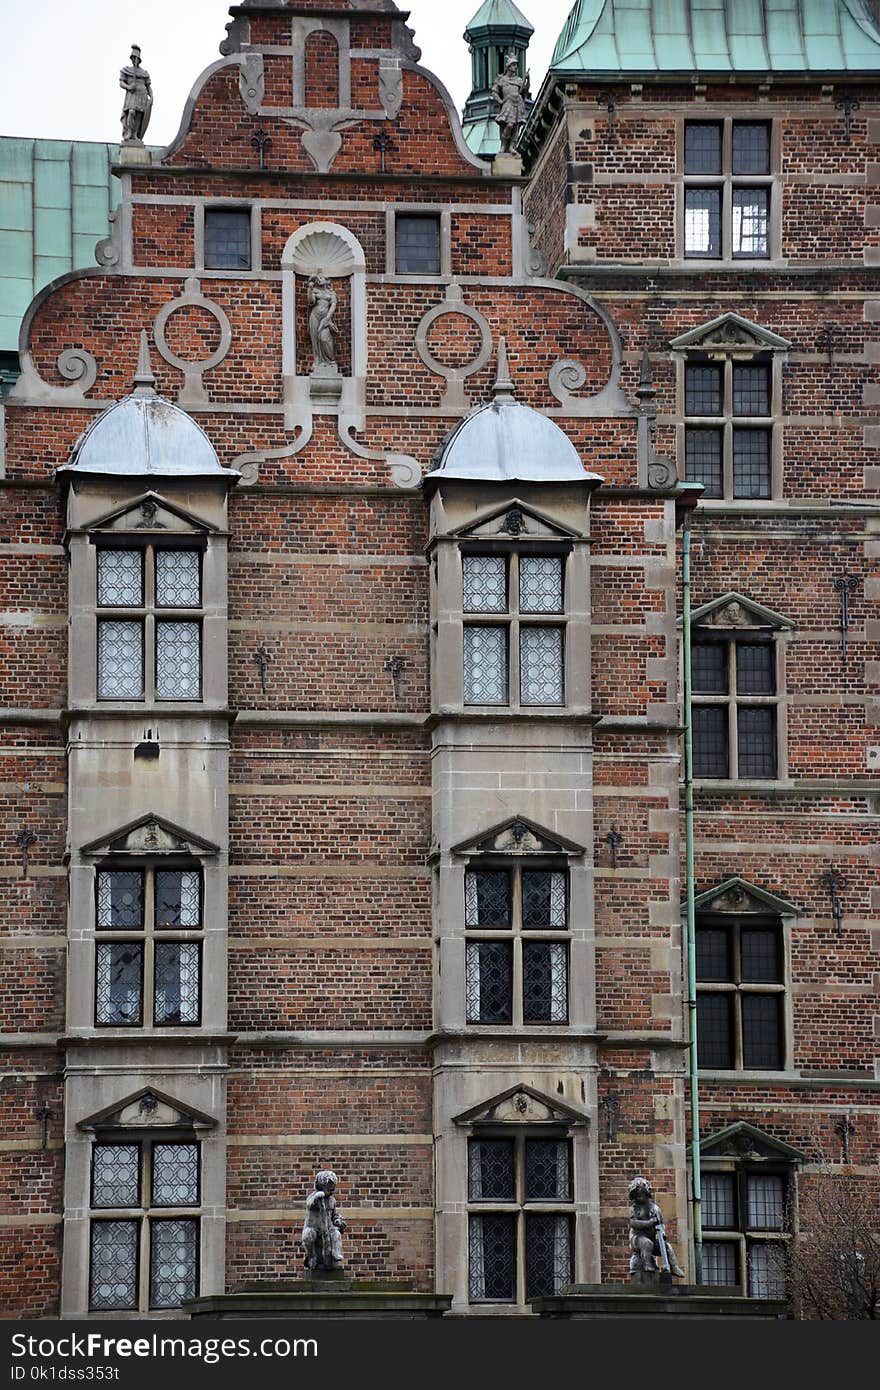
(322, 1231)
(647, 1234)
(511, 92)
(138, 104)
(322, 323)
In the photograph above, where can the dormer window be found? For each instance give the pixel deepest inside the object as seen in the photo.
(149, 630)
(512, 655)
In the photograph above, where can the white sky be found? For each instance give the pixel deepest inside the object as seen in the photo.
(61, 58)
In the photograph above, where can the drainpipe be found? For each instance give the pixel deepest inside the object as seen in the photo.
(691, 936)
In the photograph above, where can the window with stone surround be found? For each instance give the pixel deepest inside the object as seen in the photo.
(149, 627)
(740, 992)
(513, 655)
(228, 239)
(728, 190)
(148, 946)
(517, 943)
(417, 243)
(744, 1229)
(728, 434)
(520, 1216)
(144, 1224)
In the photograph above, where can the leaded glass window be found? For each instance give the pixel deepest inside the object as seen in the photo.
(530, 907)
(737, 735)
(727, 189)
(522, 661)
(227, 239)
(740, 994)
(521, 1225)
(749, 1206)
(146, 1254)
(727, 448)
(146, 654)
(720, 1263)
(159, 959)
(417, 244)
(719, 1201)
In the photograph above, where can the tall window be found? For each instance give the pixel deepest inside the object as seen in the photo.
(735, 705)
(740, 994)
(743, 1221)
(151, 646)
(512, 654)
(727, 189)
(417, 244)
(227, 239)
(516, 923)
(149, 925)
(520, 1218)
(728, 432)
(144, 1239)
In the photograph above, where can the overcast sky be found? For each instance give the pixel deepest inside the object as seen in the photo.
(61, 58)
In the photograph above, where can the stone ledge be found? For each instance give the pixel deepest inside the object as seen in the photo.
(588, 1301)
(321, 1298)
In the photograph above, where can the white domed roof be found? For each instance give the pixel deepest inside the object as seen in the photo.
(145, 434)
(505, 441)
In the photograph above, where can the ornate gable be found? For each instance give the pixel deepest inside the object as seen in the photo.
(151, 834)
(150, 512)
(523, 1105)
(147, 1109)
(516, 521)
(518, 836)
(736, 895)
(730, 335)
(743, 1141)
(734, 610)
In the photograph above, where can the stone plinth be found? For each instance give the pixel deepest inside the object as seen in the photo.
(322, 1297)
(134, 152)
(507, 166)
(586, 1301)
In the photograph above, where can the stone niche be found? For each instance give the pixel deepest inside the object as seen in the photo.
(331, 252)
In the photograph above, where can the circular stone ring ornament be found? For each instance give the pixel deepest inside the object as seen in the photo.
(454, 397)
(193, 391)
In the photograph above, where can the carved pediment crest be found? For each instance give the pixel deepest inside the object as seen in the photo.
(730, 334)
(736, 895)
(151, 834)
(747, 1143)
(147, 1109)
(518, 836)
(150, 512)
(520, 1105)
(738, 612)
(515, 520)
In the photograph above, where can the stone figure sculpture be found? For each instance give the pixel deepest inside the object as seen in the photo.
(135, 81)
(322, 1230)
(647, 1234)
(511, 92)
(322, 324)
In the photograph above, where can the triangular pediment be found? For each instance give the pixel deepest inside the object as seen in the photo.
(151, 512)
(517, 521)
(518, 836)
(739, 896)
(148, 1109)
(150, 835)
(730, 334)
(745, 1142)
(523, 1105)
(734, 610)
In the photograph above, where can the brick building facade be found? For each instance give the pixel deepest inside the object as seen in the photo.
(342, 706)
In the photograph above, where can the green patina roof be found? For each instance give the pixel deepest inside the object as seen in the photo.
(494, 14)
(483, 137)
(785, 36)
(55, 197)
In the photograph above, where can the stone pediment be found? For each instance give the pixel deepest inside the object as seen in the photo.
(150, 512)
(734, 610)
(147, 1109)
(523, 1105)
(518, 836)
(730, 335)
(745, 1142)
(736, 895)
(516, 521)
(151, 835)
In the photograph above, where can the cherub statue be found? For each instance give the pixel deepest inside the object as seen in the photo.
(322, 1230)
(647, 1234)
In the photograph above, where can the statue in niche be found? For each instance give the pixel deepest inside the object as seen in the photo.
(323, 329)
(322, 1231)
(647, 1235)
(135, 82)
(511, 92)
